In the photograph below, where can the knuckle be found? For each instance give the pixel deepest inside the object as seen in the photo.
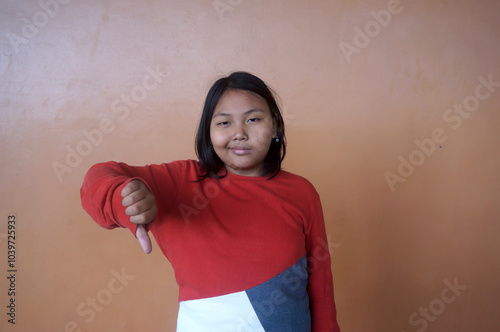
(135, 219)
(127, 200)
(141, 219)
(133, 185)
(133, 210)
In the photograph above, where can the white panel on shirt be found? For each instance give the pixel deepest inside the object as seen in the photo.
(226, 313)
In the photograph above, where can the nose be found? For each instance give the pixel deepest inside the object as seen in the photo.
(240, 133)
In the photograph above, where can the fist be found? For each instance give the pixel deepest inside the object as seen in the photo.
(139, 203)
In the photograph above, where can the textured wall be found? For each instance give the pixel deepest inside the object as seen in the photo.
(391, 110)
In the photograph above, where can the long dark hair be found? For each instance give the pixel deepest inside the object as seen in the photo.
(209, 161)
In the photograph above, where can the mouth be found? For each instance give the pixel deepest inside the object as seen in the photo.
(240, 150)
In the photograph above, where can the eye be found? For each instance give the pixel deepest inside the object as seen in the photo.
(223, 123)
(254, 120)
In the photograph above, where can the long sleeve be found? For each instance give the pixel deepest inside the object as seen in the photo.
(320, 287)
(103, 183)
(248, 237)
(101, 195)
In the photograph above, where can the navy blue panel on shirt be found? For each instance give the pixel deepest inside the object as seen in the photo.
(282, 303)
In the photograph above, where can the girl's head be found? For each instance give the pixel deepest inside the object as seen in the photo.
(241, 128)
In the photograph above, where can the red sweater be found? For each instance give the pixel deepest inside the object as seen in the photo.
(228, 235)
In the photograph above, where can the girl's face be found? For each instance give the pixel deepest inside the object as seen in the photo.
(241, 131)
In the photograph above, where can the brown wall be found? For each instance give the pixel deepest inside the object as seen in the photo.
(387, 113)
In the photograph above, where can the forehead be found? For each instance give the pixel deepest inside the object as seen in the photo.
(234, 102)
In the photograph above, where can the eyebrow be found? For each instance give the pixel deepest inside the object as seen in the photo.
(246, 113)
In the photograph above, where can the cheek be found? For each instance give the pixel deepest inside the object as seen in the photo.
(265, 135)
(218, 139)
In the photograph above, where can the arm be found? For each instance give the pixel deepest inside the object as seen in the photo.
(114, 196)
(320, 286)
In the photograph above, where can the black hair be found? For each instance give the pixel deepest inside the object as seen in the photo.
(243, 81)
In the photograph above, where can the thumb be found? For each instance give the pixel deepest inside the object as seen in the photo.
(142, 235)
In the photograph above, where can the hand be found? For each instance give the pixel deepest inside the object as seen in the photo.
(140, 205)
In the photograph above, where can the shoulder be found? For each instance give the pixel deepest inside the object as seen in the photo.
(298, 182)
(188, 164)
(189, 167)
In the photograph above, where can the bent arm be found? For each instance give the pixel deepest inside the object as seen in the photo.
(101, 194)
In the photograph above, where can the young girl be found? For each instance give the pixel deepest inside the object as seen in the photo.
(246, 239)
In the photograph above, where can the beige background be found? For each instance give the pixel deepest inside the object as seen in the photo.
(354, 102)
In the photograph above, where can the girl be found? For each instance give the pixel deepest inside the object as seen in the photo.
(246, 239)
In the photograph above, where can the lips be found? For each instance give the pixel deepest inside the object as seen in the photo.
(240, 150)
